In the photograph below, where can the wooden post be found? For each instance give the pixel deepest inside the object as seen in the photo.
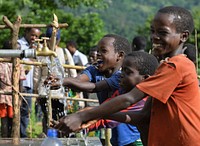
(15, 79)
(53, 48)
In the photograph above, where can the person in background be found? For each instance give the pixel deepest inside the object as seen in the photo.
(79, 58)
(27, 42)
(190, 51)
(175, 107)
(92, 57)
(139, 44)
(6, 106)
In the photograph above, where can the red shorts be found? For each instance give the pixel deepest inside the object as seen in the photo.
(6, 110)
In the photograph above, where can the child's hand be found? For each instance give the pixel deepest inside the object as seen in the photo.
(68, 124)
(53, 82)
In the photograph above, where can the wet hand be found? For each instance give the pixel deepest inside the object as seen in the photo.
(68, 124)
(53, 82)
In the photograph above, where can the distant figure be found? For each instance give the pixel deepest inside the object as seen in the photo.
(139, 43)
(27, 42)
(190, 51)
(93, 55)
(78, 57)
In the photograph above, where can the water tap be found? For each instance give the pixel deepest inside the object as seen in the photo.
(44, 51)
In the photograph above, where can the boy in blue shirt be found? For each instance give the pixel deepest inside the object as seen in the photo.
(104, 78)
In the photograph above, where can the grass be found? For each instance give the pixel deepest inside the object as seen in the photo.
(35, 127)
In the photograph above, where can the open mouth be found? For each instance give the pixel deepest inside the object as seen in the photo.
(155, 46)
(98, 64)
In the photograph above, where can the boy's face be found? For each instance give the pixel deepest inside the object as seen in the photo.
(130, 75)
(93, 56)
(164, 37)
(33, 34)
(107, 57)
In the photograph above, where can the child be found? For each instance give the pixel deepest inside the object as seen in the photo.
(136, 67)
(175, 109)
(139, 43)
(6, 108)
(103, 78)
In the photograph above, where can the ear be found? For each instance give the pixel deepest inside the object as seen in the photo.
(120, 55)
(185, 36)
(145, 76)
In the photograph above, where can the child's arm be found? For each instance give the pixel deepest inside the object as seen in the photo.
(73, 122)
(134, 117)
(135, 112)
(82, 83)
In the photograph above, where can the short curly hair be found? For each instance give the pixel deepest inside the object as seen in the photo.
(145, 63)
(120, 43)
(183, 19)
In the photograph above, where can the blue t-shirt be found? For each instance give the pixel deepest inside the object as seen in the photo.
(124, 134)
(95, 76)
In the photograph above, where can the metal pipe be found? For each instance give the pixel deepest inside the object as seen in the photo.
(28, 53)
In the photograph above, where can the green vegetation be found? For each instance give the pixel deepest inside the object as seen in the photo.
(35, 127)
(90, 19)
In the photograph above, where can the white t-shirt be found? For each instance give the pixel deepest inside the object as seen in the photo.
(29, 77)
(80, 58)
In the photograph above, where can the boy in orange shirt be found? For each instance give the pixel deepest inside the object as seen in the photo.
(175, 108)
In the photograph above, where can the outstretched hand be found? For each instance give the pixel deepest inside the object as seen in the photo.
(53, 82)
(89, 123)
(70, 123)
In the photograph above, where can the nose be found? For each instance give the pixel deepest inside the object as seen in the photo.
(154, 36)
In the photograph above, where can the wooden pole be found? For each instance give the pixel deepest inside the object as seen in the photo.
(15, 79)
(43, 64)
(64, 25)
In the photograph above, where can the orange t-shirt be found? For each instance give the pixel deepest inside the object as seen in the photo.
(175, 115)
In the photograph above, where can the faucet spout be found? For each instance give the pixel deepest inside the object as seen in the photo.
(45, 50)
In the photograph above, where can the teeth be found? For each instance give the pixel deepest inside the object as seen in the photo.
(96, 64)
(155, 45)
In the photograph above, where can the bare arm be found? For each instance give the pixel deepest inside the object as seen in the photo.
(82, 83)
(133, 117)
(141, 119)
(114, 105)
(73, 122)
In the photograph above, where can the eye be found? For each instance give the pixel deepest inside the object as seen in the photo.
(162, 33)
(152, 30)
(126, 71)
(102, 50)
